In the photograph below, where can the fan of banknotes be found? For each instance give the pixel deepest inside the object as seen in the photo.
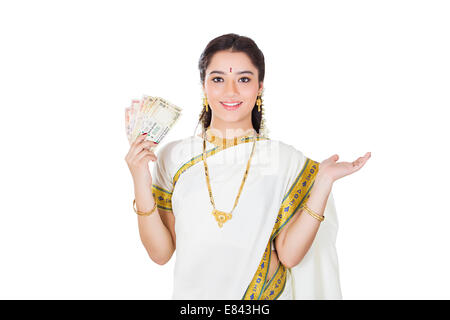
(152, 115)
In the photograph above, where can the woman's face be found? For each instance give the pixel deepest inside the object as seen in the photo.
(231, 79)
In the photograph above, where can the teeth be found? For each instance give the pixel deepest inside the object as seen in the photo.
(231, 104)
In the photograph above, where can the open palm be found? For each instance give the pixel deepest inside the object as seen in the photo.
(335, 170)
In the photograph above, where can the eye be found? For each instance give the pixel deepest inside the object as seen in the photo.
(214, 79)
(248, 79)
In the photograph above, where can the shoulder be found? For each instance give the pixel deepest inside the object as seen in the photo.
(288, 151)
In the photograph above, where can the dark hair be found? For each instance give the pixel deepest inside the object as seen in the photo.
(235, 43)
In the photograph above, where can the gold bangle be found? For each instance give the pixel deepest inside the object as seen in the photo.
(313, 214)
(143, 213)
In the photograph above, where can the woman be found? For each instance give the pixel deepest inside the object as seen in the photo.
(242, 211)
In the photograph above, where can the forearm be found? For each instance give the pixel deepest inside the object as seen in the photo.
(155, 236)
(301, 233)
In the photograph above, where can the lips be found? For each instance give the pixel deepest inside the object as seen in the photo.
(231, 105)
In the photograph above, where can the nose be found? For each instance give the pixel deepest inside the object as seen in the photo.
(231, 89)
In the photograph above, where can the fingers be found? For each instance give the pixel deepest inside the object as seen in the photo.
(137, 146)
(145, 154)
(146, 144)
(131, 151)
(139, 139)
(358, 163)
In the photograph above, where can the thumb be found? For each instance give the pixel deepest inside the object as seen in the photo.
(331, 159)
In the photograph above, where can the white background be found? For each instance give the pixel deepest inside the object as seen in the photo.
(342, 77)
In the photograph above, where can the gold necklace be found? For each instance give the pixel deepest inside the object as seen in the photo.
(221, 216)
(224, 142)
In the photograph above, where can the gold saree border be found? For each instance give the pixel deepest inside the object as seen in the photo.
(258, 288)
(209, 153)
(254, 290)
(294, 198)
(162, 197)
(276, 285)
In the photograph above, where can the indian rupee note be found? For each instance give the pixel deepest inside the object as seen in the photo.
(155, 116)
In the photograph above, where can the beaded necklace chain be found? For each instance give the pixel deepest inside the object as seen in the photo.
(221, 216)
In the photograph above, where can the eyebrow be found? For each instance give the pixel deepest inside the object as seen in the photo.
(240, 72)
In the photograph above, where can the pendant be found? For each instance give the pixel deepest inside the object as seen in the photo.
(221, 217)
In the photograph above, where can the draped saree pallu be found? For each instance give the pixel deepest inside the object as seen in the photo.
(296, 196)
(233, 262)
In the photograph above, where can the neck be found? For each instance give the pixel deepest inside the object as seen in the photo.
(230, 130)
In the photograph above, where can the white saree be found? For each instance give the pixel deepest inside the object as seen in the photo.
(232, 262)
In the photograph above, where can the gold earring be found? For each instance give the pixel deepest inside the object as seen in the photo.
(259, 103)
(205, 103)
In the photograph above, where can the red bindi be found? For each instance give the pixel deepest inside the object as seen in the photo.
(230, 69)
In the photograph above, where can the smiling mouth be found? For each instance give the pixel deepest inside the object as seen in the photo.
(231, 106)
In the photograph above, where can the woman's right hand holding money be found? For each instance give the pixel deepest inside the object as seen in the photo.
(137, 160)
